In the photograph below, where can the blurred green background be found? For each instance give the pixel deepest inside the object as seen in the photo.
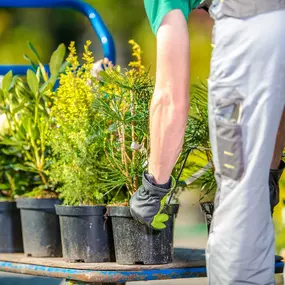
(126, 19)
(46, 28)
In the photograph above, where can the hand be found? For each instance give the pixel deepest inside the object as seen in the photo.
(148, 203)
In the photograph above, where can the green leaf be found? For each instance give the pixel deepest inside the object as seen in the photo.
(38, 73)
(34, 66)
(20, 107)
(46, 86)
(43, 71)
(1, 96)
(157, 225)
(159, 221)
(19, 166)
(161, 218)
(32, 48)
(4, 186)
(32, 81)
(56, 60)
(14, 81)
(10, 142)
(7, 80)
(64, 66)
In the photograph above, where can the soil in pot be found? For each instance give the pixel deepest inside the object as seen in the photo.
(40, 227)
(207, 209)
(86, 234)
(137, 244)
(11, 231)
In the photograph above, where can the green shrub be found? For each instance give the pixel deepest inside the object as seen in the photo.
(26, 103)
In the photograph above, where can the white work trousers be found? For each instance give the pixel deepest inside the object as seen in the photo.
(246, 101)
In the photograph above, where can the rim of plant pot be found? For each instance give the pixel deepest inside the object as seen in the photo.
(202, 204)
(8, 206)
(35, 203)
(96, 210)
(124, 211)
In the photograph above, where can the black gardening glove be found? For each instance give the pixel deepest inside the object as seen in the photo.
(149, 201)
(274, 177)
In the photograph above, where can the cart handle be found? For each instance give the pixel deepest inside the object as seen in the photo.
(78, 5)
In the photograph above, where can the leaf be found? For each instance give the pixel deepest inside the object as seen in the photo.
(19, 166)
(4, 186)
(32, 48)
(20, 107)
(10, 151)
(159, 220)
(46, 86)
(10, 142)
(14, 81)
(1, 96)
(38, 73)
(162, 218)
(64, 66)
(56, 60)
(7, 80)
(43, 71)
(158, 226)
(33, 65)
(32, 81)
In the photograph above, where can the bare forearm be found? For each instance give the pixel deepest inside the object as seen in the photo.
(170, 104)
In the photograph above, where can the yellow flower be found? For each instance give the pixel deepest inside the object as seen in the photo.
(137, 53)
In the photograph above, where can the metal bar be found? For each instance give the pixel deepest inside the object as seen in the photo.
(99, 276)
(18, 69)
(71, 282)
(93, 276)
(95, 19)
(279, 266)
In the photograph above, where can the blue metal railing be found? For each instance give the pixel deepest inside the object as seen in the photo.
(78, 5)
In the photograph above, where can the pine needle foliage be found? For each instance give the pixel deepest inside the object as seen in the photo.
(197, 148)
(122, 107)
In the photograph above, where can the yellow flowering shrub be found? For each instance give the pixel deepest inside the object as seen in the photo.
(72, 138)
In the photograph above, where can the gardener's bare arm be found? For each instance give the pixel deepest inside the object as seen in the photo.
(168, 116)
(170, 104)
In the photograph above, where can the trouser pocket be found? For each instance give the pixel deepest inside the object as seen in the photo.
(227, 114)
(230, 148)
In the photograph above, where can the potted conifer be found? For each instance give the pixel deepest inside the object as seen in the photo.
(122, 106)
(198, 171)
(77, 150)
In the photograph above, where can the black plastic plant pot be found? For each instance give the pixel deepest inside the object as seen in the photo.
(11, 240)
(40, 227)
(137, 244)
(207, 209)
(86, 234)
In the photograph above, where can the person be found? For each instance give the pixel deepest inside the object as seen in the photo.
(247, 128)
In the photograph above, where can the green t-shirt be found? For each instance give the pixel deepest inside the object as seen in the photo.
(156, 10)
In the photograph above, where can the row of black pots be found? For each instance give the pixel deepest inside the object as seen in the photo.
(82, 233)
